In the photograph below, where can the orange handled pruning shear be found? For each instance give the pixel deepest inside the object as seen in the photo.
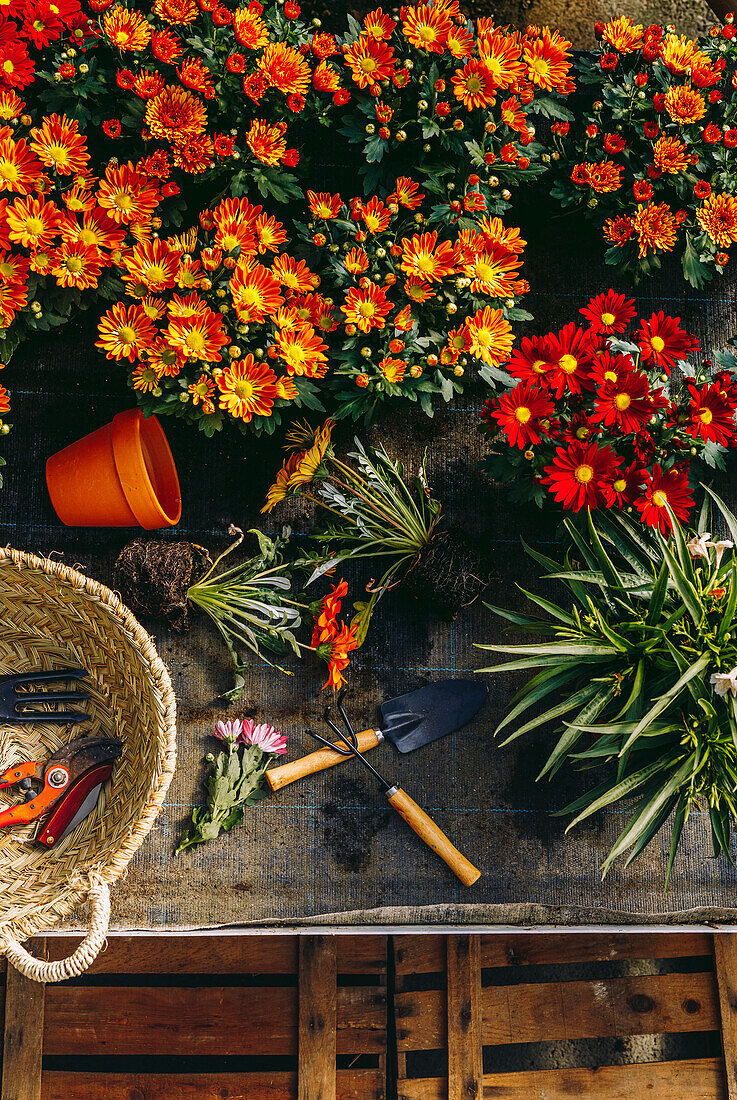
(71, 781)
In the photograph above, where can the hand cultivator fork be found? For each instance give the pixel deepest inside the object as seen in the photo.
(14, 704)
(406, 807)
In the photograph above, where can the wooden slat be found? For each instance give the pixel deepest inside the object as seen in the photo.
(24, 1026)
(725, 966)
(465, 1054)
(200, 1020)
(361, 1084)
(568, 1010)
(426, 954)
(221, 954)
(317, 1018)
(697, 1079)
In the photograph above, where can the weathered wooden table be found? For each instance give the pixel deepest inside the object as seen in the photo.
(327, 851)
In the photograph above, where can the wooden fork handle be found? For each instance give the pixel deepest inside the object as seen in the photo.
(318, 761)
(432, 835)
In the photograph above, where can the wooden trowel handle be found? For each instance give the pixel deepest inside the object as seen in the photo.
(432, 835)
(317, 761)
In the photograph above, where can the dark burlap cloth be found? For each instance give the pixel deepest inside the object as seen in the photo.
(328, 846)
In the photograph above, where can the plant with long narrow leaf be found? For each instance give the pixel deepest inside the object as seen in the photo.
(641, 669)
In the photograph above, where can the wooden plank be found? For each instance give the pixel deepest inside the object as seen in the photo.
(725, 965)
(221, 954)
(465, 1055)
(426, 954)
(201, 1020)
(361, 1084)
(696, 1079)
(568, 1010)
(24, 1028)
(317, 1018)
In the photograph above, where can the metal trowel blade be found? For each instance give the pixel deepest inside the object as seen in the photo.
(433, 711)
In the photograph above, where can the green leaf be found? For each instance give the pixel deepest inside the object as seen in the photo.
(552, 608)
(679, 819)
(729, 518)
(574, 731)
(686, 590)
(620, 790)
(536, 689)
(582, 696)
(730, 606)
(665, 700)
(657, 600)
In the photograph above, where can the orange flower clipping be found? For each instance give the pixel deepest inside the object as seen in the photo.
(285, 69)
(424, 258)
(684, 104)
(370, 60)
(670, 155)
(256, 293)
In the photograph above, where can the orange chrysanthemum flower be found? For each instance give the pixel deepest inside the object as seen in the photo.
(270, 233)
(285, 69)
(95, 230)
(379, 25)
(494, 231)
(493, 272)
(366, 308)
(126, 29)
(34, 223)
(293, 274)
(325, 78)
(324, 205)
(490, 336)
(684, 104)
(148, 84)
(267, 143)
(247, 389)
(624, 35)
(670, 155)
(375, 215)
(679, 53)
(152, 267)
(203, 390)
(126, 195)
(303, 351)
(655, 228)
(370, 61)
(427, 27)
(196, 156)
(176, 12)
(165, 360)
(718, 218)
(19, 168)
(200, 336)
(356, 261)
(76, 264)
(474, 85)
(176, 115)
(196, 76)
(250, 30)
(424, 258)
(125, 331)
(548, 61)
(459, 42)
(145, 378)
(58, 144)
(393, 369)
(512, 115)
(256, 293)
(11, 105)
(166, 47)
(406, 193)
(501, 55)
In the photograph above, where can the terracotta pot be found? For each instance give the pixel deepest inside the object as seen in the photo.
(122, 475)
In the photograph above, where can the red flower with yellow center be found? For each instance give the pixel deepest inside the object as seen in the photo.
(577, 472)
(427, 27)
(370, 61)
(718, 218)
(356, 261)
(200, 336)
(406, 193)
(247, 389)
(712, 415)
(324, 205)
(548, 60)
(609, 313)
(571, 356)
(145, 378)
(375, 215)
(425, 259)
(176, 115)
(474, 85)
(34, 223)
(125, 331)
(393, 369)
(152, 267)
(620, 487)
(490, 336)
(126, 29)
(285, 69)
(520, 411)
(493, 272)
(663, 342)
(270, 233)
(303, 351)
(256, 293)
(512, 115)
(664, 489)
(126, 195)
(16, 67)
(267, 143)
(293, 274)
(76, 264)
(655, 228)
(378, 25)
(623, 403)
(202, 390)
(670, 155)
(19, 168)
(501, 56)
(459, 43)
(366, 308)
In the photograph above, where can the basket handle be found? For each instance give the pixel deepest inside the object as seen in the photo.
(80, 959)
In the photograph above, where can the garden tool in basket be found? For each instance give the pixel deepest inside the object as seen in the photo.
(14, 704)
(406, 807)
(410, 721)
(70, 784)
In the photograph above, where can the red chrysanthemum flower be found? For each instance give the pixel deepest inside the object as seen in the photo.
(609, 313)
(662, 341)
(621, 487)
(712, 414)
(669, 487)
(623, 404)
(519, 413)
(576, 473)
(571, 357)
(532, 360)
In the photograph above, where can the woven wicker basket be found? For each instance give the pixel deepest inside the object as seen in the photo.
(52, 617)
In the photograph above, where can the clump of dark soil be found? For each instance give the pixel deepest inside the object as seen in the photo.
(448, 574)
(348, 830)
(153, 578)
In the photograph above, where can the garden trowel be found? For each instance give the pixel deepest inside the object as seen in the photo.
(410, 721)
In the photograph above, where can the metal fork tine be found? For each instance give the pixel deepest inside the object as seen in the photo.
(49, 716)
(51, 697)
(53, 675)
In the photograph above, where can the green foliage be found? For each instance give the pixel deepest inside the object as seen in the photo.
(236, 781)
(631, 665)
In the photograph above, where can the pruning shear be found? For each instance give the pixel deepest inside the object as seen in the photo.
(71, 780)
